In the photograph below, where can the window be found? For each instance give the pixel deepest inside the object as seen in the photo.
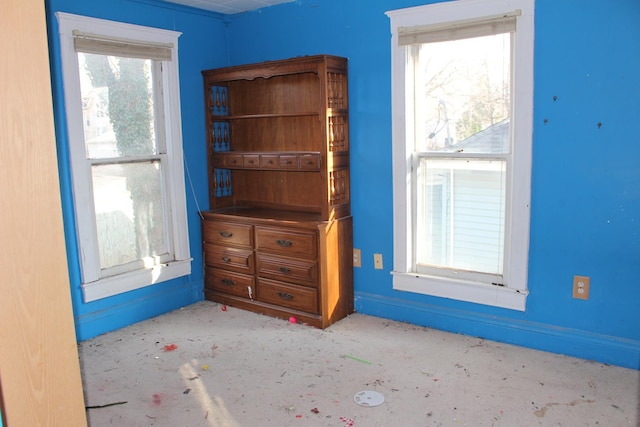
(462, 96)
(125, 145)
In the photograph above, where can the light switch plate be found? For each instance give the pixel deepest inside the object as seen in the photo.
(377, 261)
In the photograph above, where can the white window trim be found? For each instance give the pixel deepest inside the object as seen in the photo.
(95, 287)
(514, 294)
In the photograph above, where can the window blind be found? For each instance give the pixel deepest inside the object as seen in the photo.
(504, 23)
(101, 45)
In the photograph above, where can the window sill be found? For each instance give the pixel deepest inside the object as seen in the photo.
(460, 290)
(120, 283)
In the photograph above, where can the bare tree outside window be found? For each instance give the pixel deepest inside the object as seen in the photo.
(462, 110)
(127, 182)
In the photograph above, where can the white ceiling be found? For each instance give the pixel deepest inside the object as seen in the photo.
(229, 7)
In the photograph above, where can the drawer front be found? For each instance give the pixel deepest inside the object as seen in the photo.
(218, 160)
(227, 233)
(288, 161)
(269, 161)
(229, 282)
(233, 160)
(304, 272)
(240, 260)
(309, 161)
(251, 160)
(287, 242)
(228, 160)
(290, 296)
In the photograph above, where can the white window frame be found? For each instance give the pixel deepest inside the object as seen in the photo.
(513, 292)
(96, 285)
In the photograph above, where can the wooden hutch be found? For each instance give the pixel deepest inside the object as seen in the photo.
(278, 236)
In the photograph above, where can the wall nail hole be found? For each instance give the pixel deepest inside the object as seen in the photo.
(555, 98)
(546, 121)
(599, 125)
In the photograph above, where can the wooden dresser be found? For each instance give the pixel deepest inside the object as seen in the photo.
(278, 237)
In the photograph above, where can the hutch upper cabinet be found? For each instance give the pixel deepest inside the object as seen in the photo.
(278, 237)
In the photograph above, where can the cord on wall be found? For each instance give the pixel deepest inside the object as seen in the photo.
(193, 192)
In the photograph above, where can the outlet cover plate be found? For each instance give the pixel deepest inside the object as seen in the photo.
(357, 257)
(581, 287)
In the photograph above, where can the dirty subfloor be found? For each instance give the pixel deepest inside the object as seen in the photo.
(205, 366)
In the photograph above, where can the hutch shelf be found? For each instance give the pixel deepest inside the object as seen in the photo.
(278, 236)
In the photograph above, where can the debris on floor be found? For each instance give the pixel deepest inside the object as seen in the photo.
(368, 398)
(348, 422)
(106, 405)
(357, 359)
(245, 369)
(170, 347)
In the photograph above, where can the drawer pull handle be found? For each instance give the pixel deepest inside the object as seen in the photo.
(228, 282)
(309, 162)
(284, 270)
(226, 259)
(285, 295)
(284, 243)
(226, 234)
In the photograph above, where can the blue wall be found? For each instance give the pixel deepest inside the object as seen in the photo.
(201, 33)
(585, 183)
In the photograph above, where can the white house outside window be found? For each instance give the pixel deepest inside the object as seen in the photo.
(125, 144)
(462, 125)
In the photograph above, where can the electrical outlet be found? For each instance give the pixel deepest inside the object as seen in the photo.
(357, 258)
(581, 287)
(377, 261)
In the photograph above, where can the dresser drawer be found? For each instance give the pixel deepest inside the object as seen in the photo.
(304, 272)
(240, 260)
(288, 161)
(251, 160)
(228, 160)
(310, 161)
(229, 282)
(269, 161)
(287, 242)
(289, 296)
(227, 233)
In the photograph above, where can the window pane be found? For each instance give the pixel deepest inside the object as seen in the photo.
(117, 106)
(463, 95)
(129, 212)
(460, 212)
